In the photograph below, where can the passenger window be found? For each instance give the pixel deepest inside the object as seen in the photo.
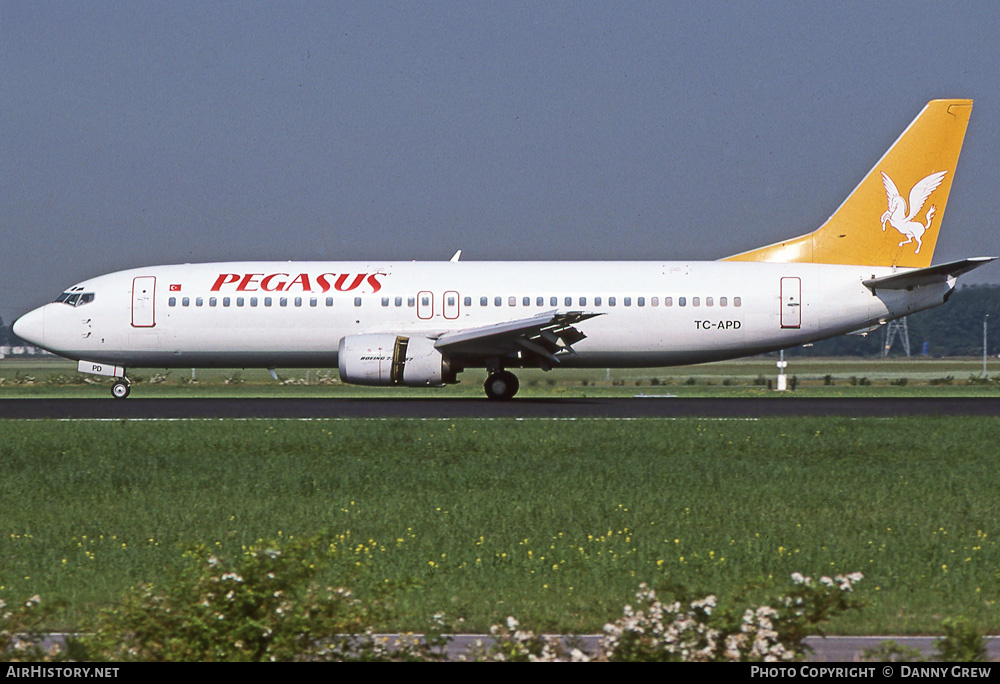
(357, 301)
(267, 301)
(483, 301)
(411, 302)
(239, 301)
(468, 301)
(253, 301)
(497, 301)
(641, 301)
(298, 301)
(199, 301)
(170, 302)
(399, 301)
(283, 301)
(568, 301)
(696, 301)
(212, 301)
(722, 301)
(553, 301)
(583, 301)
(385, 301)
(329, 301)
(225, 301)
(597, 301)
(611, 301)
(628, 301)
(737, 301)
(313, 301)
(708, 301)
(668, 301)
(654, 301)
(540, 301)
(511, 301)
(682, 301)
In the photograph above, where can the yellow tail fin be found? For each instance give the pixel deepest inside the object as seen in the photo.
(893, 217)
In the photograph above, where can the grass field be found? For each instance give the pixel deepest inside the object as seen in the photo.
(53, 377)
(556, 522)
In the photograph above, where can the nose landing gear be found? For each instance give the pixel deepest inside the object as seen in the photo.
(501, 386)
(121, 388)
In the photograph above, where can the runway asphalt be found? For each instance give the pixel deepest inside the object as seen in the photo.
(639, 407)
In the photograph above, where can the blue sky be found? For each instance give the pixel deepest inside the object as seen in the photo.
(164, 132)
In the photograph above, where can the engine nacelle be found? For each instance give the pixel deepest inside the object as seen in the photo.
(388, 359)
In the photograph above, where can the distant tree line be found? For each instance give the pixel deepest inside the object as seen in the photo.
(955, 329)
(7, 336)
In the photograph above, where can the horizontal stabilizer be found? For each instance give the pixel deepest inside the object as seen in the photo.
(931, 275)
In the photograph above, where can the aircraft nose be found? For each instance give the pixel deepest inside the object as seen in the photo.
(31, 327)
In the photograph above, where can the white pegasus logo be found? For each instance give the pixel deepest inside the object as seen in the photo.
(899, 218)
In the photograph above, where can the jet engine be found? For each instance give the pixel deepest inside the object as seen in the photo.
(388, 359)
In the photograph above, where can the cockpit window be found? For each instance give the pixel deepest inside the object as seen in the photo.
(75, 298)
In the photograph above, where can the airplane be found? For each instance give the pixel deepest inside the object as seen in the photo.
(420, 324)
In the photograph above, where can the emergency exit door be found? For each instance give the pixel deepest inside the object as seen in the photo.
(449, 305)
(425, 305)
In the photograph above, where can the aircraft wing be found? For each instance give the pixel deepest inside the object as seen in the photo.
(930, 275)
(543, 337)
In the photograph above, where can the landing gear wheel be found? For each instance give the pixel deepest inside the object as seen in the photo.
(501, 386)
(121, 389)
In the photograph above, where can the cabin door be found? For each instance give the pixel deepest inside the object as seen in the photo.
(143, 300)
(791, 302)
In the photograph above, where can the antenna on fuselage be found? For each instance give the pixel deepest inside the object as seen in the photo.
(457, 256)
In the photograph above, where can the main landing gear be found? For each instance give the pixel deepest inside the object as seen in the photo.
(121, 388)
(501, 386)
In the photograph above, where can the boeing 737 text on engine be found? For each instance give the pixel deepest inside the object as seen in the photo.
(421, 324)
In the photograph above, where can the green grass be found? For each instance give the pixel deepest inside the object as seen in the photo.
(556, 522)
(56, 378)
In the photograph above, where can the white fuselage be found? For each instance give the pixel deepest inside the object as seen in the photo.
(294, 314)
